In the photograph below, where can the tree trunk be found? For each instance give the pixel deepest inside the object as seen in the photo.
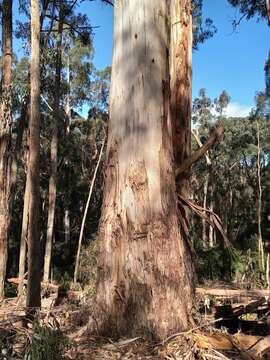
(54, 150)
(181, 85)
(67, 162)
(5, 141)
(68, 103)
(211, 207)
(204, 222)
(211, 228)
(259, 209)
(23, 239)
(33, 285)
(85, 213)
(145, 278)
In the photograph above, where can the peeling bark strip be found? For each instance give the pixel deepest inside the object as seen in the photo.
(181, 85)
(5, 141)
(145, 279)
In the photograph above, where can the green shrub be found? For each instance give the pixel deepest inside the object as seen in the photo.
(46, 344)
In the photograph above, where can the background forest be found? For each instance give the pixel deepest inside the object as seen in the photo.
(120, 192)
(232, 180)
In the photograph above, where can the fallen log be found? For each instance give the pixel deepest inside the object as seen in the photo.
(229, 311)
(252, 346)
(44, 285)
(61, 293)
(227, 293)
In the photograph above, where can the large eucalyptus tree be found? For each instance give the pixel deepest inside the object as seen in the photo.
(145, 278)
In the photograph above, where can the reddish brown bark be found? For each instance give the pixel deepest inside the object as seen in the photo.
(5, 141)
(33, 285)
(145, 278)
(181, 85)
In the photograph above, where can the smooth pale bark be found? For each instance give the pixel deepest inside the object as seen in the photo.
(67, 162)
(23, 239)
(204, 222)
(85, 213)
(33, 299)
(54, 152)
(145, 275)
(22, 256)
(211, 228)
(259, 208)
(5, 141)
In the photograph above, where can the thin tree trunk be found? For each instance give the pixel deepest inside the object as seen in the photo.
(196, 135)
(26, 195)
(5, 141)
(54, 152)
(211, 228)
(67, 162)
(67, 226)
(145, 277)
(23, 239)
(259, 209)
(68, 104)
(85, 213)
(268, 271)
(24, 232)
(204, 222)
(33, 299)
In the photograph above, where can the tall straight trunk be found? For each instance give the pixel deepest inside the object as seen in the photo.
(145, 278)
(67, 162)
(181, 84)
(259, 209)
(22, 256)
(68, 103)
(5, 141)
(54, 152)
(33, 285)
(24, 231)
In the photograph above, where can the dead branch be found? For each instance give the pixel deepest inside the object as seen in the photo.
(50, 286)
(216, 136)
(195, 133)
(213, 219)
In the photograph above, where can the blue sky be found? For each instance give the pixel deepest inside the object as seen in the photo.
(232, 60)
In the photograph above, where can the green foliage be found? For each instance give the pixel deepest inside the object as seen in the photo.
(46, 344)
(5, 350)
(202, 29)
(232, 190)
(250, 8)
(88, 266)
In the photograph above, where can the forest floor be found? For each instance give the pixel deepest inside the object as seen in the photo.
(61, 333)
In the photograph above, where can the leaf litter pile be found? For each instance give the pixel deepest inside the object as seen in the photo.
(61, 333)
